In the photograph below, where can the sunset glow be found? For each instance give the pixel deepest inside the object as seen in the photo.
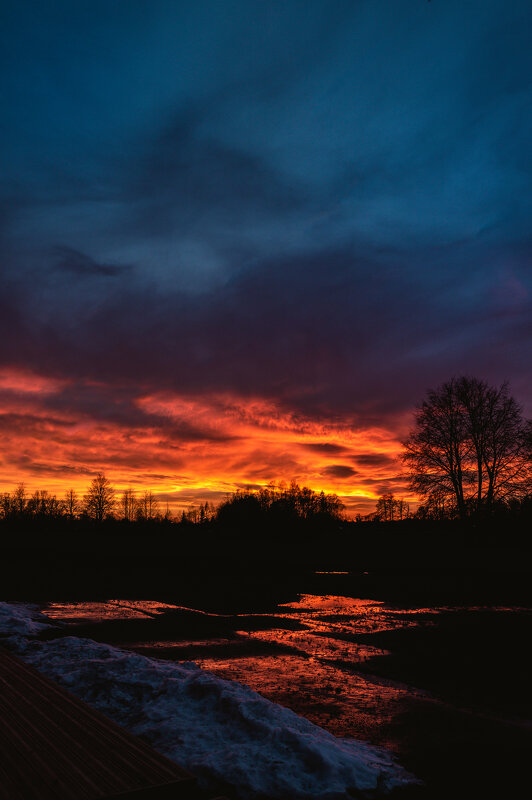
(187, 449)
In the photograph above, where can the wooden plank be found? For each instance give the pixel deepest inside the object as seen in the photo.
(55, 747)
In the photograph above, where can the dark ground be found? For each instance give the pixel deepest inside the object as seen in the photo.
(226, 569)
(472, 738)
(477, 741)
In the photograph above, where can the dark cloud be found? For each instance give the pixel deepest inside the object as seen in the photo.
(339, 471)
(326, 448)
(31, 423)
(394, 484)
(69, 260)
(99, 402)
(117, 404)
(189, 184)
(27, 463)
(318, 335)
(192, 497)
(374, 460)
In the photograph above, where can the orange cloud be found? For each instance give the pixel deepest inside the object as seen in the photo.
(19, 381)
(186, 449)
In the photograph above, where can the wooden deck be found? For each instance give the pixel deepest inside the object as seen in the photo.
(54, 747)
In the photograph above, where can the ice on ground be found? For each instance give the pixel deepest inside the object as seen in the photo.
(221, 731)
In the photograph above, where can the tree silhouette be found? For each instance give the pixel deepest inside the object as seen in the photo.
(6, 505)
(403, 509)
(44, 504)
(389, 508)
(71, 503)
(279, 503)
(469, 444)
(19, 500)
(386, 507)
(100, 498)
(128, 501)
(147, 506)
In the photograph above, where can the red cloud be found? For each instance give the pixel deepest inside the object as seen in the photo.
(184, 448)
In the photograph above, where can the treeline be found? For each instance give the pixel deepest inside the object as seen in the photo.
(276, 503)
(389, 509)
(280, 504)
(438, 507)
(100, 502)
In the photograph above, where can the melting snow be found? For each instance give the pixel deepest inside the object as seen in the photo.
(217, 729)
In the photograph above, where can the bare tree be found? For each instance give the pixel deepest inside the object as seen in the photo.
(437, 506)
(437, 449)
(148, 506)
(500, 439)
(389, 508)
(100, 498)
(469, 443)
(71, 503)
(44, 504)
(128, 502)
(6, 504)
(386, 507)
(403, 509)
(19, 499)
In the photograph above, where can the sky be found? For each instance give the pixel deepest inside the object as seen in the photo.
(240, 239)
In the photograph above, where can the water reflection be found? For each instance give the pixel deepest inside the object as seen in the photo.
(346, 704)
(347, 615)
(317, 646)
(311, 669)
(319, 680)
(106, 610)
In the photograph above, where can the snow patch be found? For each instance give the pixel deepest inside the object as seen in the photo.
(23, 619)
(220, 730)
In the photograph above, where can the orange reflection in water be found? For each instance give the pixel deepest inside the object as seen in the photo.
(347, 615)
(319, 680)
(346, 704)
(315, 646)
(311, 670)
(106, 610)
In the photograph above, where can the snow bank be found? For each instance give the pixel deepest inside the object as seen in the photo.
(22, 619)
(219, 730)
